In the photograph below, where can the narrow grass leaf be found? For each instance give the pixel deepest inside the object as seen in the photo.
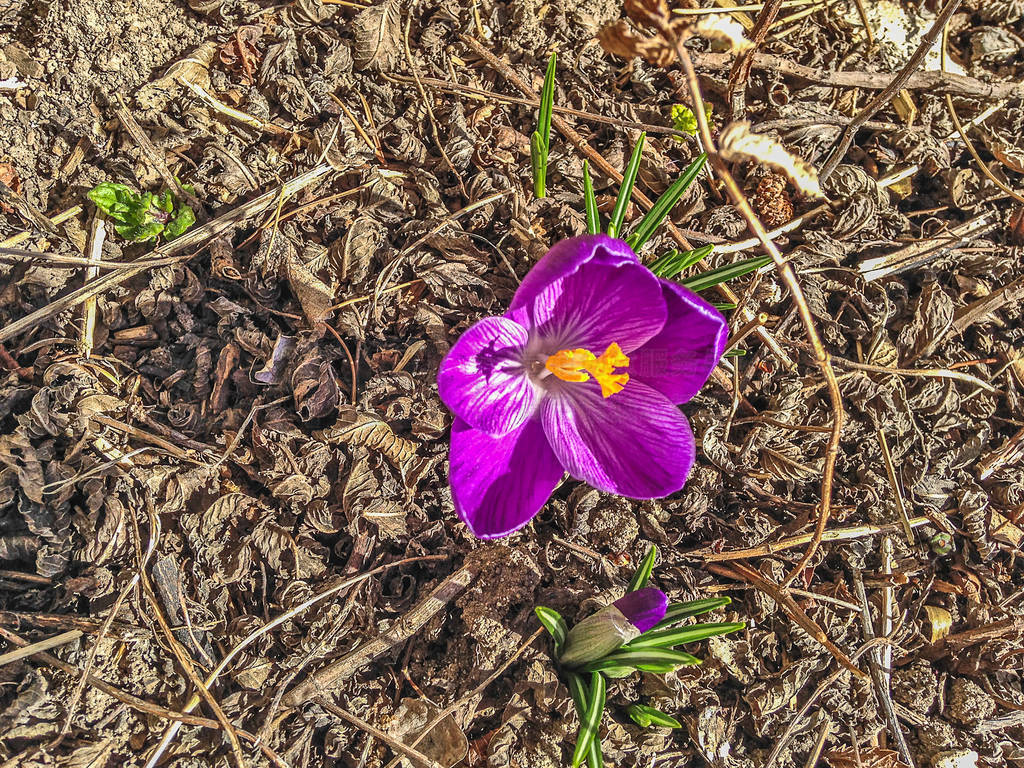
(735, 353)
(664, 204)
(547, 101)
(679, 611)
(714, 277)
(643, 573)
(645, 717)
(590, 201)
(626, 189)
(580, 693)
(539, 163)
(723, 306)
(658, 669)
(540, 141)
(591, 719)
(669, 638)
(646, 656)
(674, 262)
(554, 624)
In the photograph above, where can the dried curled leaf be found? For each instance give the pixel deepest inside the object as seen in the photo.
(737, 143)
(620, 40)
(356, 427)
(376, 31)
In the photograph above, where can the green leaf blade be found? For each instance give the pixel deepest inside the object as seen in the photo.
(626, 189)
(554, 624)
(580, 694)
(679, 611)
(645, 717)
(664, 204)
(591, 721)
(540, 140)
(674, 262)
(590, 202)
(647, 659)
(670, 638)
(713, 277)
(539, 163)
(643, 572)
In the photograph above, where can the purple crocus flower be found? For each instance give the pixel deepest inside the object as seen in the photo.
(613, 626)
(583, 375)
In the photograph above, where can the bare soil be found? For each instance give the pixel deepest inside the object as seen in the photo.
(250, 462)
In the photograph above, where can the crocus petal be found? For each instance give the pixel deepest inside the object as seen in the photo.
(635, 443)
(482, 379)
(565, 257)
(680, 358)
(597, 305)
(644, 607)
(500, 483)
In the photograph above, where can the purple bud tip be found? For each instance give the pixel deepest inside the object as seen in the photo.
(644, 608)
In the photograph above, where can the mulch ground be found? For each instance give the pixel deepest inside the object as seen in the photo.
(224, 513)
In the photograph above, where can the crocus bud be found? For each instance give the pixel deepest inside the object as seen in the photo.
(614, 625)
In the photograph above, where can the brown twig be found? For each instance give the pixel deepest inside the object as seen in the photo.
(179, 249)
(779, 593)
(176, 647)
(740, 72)
(56, 219)
(876, 666)
(426, 102)
(90, 660)
(327, 677)
(395, 744)
(774, 547)
(896, 84)
(788, 276)
(483, 93)
(193, 702)
(475, 692)
(791, 730)
(155, 156)
(139, 705)
(936, 83)
(43, 645)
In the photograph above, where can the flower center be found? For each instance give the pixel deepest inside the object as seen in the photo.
(580, 364)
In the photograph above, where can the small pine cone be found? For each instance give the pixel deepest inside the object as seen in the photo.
(771, 201)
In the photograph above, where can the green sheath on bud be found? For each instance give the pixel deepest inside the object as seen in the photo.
(597, 636)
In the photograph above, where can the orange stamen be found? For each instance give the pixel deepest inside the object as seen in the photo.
(580, 364)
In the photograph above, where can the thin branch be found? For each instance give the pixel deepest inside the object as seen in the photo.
(886, 94)
(821, 357)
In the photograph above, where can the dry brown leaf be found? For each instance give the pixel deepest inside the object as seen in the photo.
(738, 143)
(866, 757)
(358, 428)
(376, 31)
(620, 40)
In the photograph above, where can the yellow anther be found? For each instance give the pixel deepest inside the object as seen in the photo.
(580, 364)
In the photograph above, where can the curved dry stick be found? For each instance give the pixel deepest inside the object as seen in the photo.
(785, 270)
(176, 648)
(401, 630)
